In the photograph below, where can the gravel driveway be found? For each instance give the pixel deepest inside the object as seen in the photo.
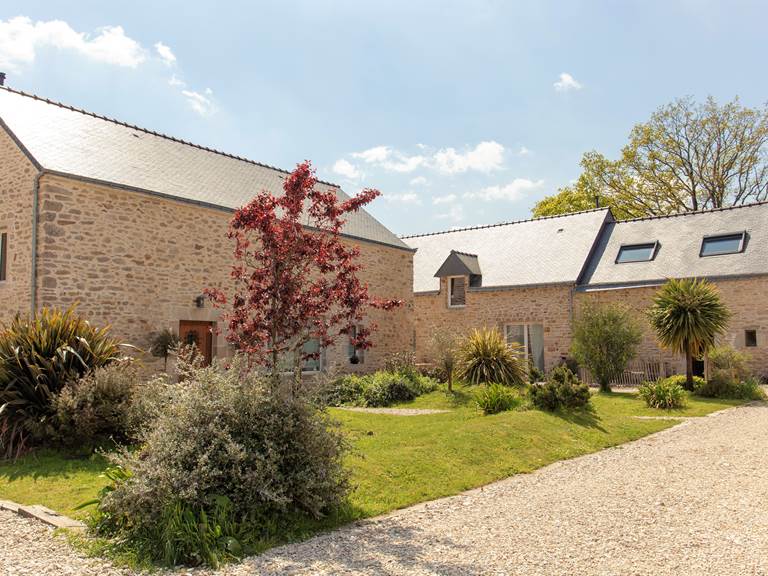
(692, 499)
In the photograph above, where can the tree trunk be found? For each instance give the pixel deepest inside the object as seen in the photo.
(296, 376)
(450, 381)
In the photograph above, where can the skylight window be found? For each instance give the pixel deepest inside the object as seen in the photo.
(722, 244)
(637, 253)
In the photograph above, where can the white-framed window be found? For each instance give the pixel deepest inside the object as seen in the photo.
(457, 291)
(531, 338)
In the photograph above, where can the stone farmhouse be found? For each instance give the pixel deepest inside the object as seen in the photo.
(529, 278)
(131, 224)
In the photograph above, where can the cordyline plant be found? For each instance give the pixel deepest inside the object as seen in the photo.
(688, 316)
(292, 283)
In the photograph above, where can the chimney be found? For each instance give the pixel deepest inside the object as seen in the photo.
(597, 200)
(2, 78)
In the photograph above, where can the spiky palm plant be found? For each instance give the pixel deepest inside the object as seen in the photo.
(688, 315)
(37, 357)
(484, 357)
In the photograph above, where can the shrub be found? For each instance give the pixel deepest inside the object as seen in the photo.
(663, 393)
(680, 380)
(563, 389)
(484, 358)
(96, 406)
(382, 388)
(224, 434)
(722, 386)
(534, 374)
(444, 346)
(495, 398)
(725, 362)
(605, 339)
(37, 357)
(343, 391)
(387, 388)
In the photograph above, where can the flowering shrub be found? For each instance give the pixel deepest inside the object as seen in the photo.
(224, 434)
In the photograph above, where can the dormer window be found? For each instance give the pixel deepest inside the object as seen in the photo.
(723, 244)
(637, 252)
(457, 291)
(460, 270)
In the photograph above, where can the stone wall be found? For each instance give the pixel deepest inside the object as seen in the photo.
(17, 181)
(746, 298)
(137, 262)
(546, 305)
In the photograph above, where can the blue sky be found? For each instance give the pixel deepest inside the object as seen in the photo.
(461, 113)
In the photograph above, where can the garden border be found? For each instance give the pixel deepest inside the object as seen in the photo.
(43, 514)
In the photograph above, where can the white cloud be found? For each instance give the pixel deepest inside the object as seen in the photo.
(512, 192)
(419, 181)
(447, 199)
(373, 155)
(485, 157)
(403, 163)
(347, 169)
(404, 198)
(566, 83)
(165, 53)
(21, 38)
(523, 151)
(174, 81)
(455, 213)
(201, 103)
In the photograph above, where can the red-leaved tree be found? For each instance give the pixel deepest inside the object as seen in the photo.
(294, 279)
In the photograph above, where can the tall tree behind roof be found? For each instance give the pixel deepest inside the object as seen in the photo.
(689, 156)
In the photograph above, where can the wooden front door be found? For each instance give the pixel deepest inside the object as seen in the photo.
(199, 334)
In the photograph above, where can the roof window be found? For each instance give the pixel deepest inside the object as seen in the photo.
(723, 244)
(637, 252)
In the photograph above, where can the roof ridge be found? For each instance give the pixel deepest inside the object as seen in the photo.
(152, 132)
(464, 253)
(509, 223)
(694, 213)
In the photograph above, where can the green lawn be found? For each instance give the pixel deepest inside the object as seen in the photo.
(398, 461)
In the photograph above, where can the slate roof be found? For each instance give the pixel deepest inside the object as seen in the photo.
(550, 250)
(70, 141)
(680, 238)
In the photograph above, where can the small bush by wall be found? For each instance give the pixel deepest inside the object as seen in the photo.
(495, 398)
(664, 393)
(382, 388)
(562, 390)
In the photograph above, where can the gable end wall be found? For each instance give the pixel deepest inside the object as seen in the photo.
(17, 182)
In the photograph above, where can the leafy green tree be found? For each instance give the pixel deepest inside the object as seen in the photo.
(605, 339)
(688, 315)
(687, 157)
(445, 347)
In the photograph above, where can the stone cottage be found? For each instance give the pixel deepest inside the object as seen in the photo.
(131, 224)
(529, 278)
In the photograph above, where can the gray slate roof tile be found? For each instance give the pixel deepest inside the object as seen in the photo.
(79, 143)
(680, 238)
(541, 251)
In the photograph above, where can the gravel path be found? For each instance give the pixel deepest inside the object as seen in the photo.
(396, 411)
(29, 548)
(691, 500)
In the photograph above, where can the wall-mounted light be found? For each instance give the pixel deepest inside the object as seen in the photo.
(200, 301)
